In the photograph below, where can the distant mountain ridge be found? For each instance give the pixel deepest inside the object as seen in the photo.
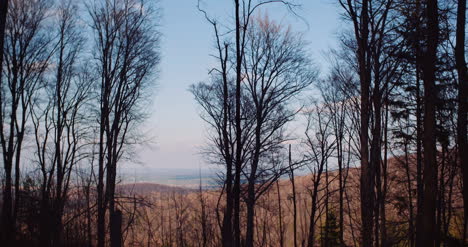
(172, 177)
(145, 188)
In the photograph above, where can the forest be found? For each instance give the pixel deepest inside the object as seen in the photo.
(370, 152)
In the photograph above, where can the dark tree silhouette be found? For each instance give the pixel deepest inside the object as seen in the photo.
(6, 218)
(60, 125)
(320, 148)
(233, 145)
(462, 105)
(427, 234)
(126, 54)
(26, 54)
(385, 139)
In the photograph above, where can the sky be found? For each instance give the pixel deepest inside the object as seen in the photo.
(175, 128)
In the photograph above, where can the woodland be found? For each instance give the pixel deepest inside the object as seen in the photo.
(372, 152)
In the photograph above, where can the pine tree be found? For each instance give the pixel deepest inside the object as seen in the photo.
(330, 232)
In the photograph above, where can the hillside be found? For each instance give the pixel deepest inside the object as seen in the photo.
(179, 215)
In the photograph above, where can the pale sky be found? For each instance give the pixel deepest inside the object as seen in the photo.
(177, 130)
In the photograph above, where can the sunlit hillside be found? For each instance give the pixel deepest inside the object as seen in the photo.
(174, 216)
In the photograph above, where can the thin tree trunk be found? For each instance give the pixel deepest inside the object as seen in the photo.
(313, 212)
(462, 106)
(293, 185)
(314, 209)
(411, 230)
(440, 197)
(7, 225)
(339, 149)
(280, 215)
(226, 229)
(19, 144)
(249, 240)
(419, 158)
(101, 207)
(238, 160)
(383, 215)
(327, 206)
(419, 127)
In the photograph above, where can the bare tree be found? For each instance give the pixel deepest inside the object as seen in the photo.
(26, 53)
(338, 104)
(231, 144)
(220, 118)
(361, 30)
(375, 44)
(126, 55)
(244, 10)
(60, 125)
(320, 146)
(276, 70)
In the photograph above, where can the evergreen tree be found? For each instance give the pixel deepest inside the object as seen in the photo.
(330, 232)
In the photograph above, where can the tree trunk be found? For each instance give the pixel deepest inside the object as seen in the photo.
(116, 229)
(383, 214)
(226, 229)
(426, 236)
(411, 230)
(339, 150)
(462, 106)
(419, 158)
(7, 225)
(238, 160)
(366, 182)
(7, 219)
(8, 229)
(293, 184)
(280, 215)
(249, 240)
(313, 213)
(101, 207)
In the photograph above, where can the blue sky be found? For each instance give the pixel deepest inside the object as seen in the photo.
(178, 132)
